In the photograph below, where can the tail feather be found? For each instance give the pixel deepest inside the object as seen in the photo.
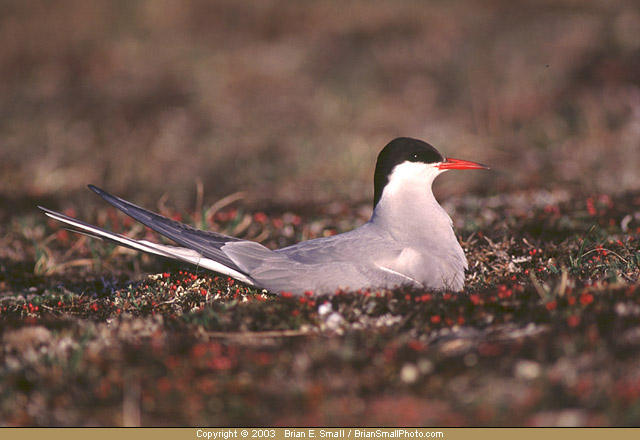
(207, 243)
(172, 252)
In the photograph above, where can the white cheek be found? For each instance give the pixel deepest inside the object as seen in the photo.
(411, 175)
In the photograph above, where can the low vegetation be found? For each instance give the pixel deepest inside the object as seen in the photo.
(547, 331)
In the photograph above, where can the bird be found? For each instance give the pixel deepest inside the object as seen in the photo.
(409, 240)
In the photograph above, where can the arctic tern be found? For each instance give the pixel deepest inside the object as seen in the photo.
(409, 240)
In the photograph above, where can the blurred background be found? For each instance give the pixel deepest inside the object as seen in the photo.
(291, 101)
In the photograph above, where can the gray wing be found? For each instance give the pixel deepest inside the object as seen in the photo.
(207, 243)
(360, 245)
(164, 250)
(322, 265)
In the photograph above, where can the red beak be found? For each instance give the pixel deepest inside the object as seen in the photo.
(457, 164)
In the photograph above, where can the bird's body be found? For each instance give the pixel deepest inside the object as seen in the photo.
(409, 239)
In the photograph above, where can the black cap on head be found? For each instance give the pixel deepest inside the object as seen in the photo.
(396, 152)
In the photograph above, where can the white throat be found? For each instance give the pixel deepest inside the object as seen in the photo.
(408, 208)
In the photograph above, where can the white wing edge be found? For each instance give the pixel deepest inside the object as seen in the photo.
(174, 252)
(401, 275)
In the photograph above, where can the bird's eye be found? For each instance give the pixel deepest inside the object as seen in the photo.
(415, 156)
